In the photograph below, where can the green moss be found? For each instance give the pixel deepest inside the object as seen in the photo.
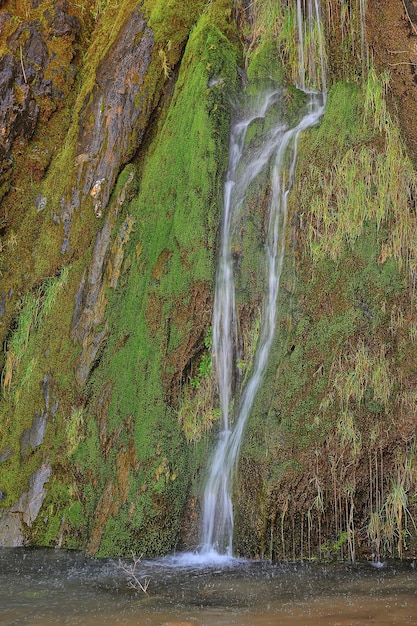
(117, 539)
(171, 21)
(170, 252)
(37, 390)
(342, 124)
(333, 380)
(168, 260)
(265, 64)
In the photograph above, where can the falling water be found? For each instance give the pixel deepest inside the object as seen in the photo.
(278, 149)
(364, 48)
(311, 56)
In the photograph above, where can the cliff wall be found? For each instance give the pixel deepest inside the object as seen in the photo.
(114, 137)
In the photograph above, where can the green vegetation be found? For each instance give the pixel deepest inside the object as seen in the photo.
(107, 338)
(160, 303)
(335, 379)
(365, 185)
(32, 309)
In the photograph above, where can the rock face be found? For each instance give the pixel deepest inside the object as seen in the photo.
(103, 273)
(114, 115)
(110, 428)
(23, 513)
(17, 118)
(25, 90)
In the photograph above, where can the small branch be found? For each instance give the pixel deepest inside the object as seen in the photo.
(130, 570)
(23, 67)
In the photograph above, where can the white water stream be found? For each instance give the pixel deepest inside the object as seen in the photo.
(278, 153)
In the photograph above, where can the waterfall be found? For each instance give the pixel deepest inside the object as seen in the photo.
(311, 56)
(278, 153)
(364, 48)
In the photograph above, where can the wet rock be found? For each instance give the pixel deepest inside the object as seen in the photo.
(90, 306)
(96, 194)
(88, 325)
(51, 401)
(2, 304)
(5, 454)
(25, 93)
(34, 51)
(114, 266)
(62, 24)
(18, 117)
(30, 502)
(40, 203)
(25, 510)
(33, 437)
(21, 79)
(65, 217)
(4, 18)
(46, 388)
(11, 530)
(115, 113)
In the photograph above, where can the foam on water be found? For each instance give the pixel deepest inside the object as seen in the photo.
(208, 559)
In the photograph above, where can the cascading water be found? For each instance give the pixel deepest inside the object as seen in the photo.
(364, 48)
(279, 149)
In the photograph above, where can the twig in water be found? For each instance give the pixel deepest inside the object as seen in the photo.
(130, 570)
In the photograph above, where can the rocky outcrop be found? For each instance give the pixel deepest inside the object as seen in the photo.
(15, 519)
(26, 91)
(22, 514)
(116, 448)
(89, 326)
(115, 113)
(33, 436)
(116, 179)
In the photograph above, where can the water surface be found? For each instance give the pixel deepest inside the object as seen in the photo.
(40, 586)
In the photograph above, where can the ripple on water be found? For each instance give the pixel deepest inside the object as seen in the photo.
(40, 587)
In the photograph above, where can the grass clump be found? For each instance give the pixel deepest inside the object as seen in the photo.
(366, 184)
(32, 309)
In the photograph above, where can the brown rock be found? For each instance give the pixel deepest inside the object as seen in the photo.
(115, 116)
(63, 24)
